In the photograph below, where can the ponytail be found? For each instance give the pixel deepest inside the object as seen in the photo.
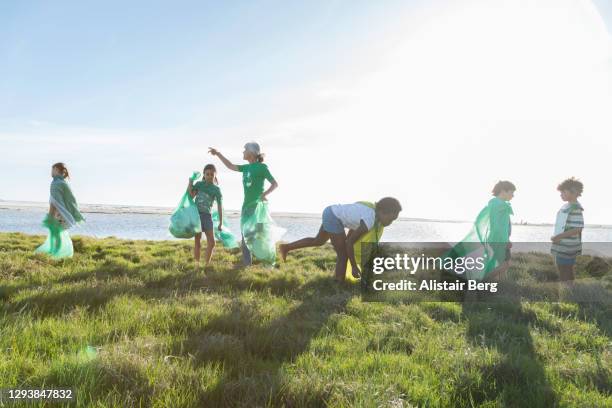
(214, 169)
(260, 158)
(62, 169)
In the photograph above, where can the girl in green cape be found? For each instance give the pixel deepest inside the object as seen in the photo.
(63, 214)
(490, 235)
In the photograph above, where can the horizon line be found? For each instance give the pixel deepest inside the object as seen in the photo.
(14, 204)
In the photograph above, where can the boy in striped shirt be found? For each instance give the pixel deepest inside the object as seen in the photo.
(567, 239)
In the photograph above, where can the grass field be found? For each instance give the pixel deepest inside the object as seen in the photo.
(130, 323)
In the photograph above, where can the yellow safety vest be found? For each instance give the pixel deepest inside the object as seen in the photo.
(372, 236)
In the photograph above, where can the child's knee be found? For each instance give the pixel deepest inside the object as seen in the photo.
(319, 241)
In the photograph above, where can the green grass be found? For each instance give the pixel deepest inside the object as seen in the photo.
(165, 335)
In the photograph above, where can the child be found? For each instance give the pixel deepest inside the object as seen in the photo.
(358, 218)
(254, 174)
(206, 192)
(567, 238)
(490, 235)
(504, 191)
(63, 214)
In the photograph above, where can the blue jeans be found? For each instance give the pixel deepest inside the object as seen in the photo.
(247, 260)
(246, 254)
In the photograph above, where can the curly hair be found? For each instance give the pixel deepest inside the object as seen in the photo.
(573, 185)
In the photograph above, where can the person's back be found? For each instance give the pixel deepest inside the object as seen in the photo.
(351, 215)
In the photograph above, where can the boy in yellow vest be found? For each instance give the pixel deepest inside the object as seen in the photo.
(358, 218)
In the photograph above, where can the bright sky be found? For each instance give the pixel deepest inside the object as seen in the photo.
(429, 101)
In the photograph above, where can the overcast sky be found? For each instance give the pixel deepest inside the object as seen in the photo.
(428, 101)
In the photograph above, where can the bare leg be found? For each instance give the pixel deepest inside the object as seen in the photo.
(197, 247)
(566, 273)
(210, 245)
(319, 240)
(566, 276)
(339, 243)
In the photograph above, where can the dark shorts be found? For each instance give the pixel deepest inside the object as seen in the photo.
(206, 220)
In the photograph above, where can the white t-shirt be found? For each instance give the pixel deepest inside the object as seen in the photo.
(351, 215)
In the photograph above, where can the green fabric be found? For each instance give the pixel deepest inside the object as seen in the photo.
(363, 253)
(58, 243)
(185, 220)
(225, 236)
(488, 238)
(65, 202)
(260, 233)
(372, 206)
(206, 195)
(253, 176)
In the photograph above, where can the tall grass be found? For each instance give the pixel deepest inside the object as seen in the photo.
(131, 323)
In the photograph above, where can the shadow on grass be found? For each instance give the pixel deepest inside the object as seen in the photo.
(96, 287)
(519, 380)
(254, 355)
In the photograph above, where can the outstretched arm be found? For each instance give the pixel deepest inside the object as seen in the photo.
(223, 159)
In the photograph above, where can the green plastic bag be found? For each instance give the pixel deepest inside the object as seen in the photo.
(488, 239)
(260, 233)
(58, 244)
(185, 220)
(225, 236)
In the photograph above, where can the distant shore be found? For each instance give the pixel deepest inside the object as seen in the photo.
(135, 209)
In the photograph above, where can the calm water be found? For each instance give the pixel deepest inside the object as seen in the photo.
(155, 227)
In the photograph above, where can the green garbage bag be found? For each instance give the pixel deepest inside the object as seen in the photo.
(185, 220)
(260, 233)
(225, 235)
(58, 244)
(65, 203)
(488, 239)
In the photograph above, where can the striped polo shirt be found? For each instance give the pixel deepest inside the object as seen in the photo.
(572, 246)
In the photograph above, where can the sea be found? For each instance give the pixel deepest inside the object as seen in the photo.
(151, 223)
